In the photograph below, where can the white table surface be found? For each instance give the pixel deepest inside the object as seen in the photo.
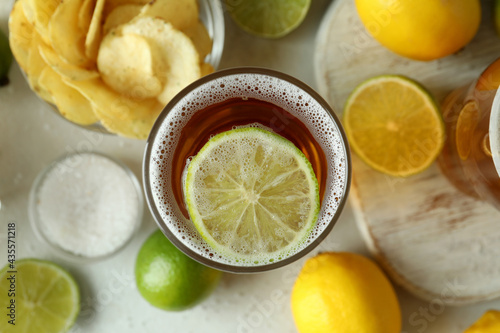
(31, 136)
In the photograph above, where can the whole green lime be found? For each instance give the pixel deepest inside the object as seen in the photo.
(5, 59)
(170, 280)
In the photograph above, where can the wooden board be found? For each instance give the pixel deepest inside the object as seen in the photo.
(436, 242)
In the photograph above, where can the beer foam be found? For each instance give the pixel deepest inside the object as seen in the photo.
(281, 93)
(494, 131)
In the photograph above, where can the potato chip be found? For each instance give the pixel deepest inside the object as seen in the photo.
(28, 11)
(93, 38)
(110, 5)
(176, 50)
(120, 15)
(66, 37)
(126, 65)
(181, 14)
(63, 68)
(85, 14)
(69, 101)
(119, 113)
(42, 12)
(114, 61)
(35, 66)
(206, 69)
(135, 130)
(20, 34)
(200, 38)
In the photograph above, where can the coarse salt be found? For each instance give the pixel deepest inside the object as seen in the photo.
(88, 205)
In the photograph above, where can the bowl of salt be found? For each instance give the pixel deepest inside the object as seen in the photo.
(86, 206)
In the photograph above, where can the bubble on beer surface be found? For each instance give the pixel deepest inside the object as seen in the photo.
(281, 93)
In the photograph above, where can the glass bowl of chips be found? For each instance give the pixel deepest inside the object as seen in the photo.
(112, 66)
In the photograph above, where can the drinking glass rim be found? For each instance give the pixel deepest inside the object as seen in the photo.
(154, 132)
(494, 131)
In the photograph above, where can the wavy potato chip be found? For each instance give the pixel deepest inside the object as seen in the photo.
(42, 12)
(35, 66)
(93, 38)
(119, 113)
(110, 5)
(20, 34)
(63, 68)
(85, 14)
(175, 49)
(28, 11)
(125, 62)
(200, 38)
(130, 129)
(120, 57)
(120, 15)
(113, 104)
(181, 14)
(206, 69)
(70, 102)
(66, 37)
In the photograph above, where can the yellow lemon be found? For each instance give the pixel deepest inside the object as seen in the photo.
(344, 292)
(421, 30)
(488, 323)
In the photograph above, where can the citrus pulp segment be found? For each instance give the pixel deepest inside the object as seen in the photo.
(394, 125)
(252, 194)
(47, 298)
(268, 18)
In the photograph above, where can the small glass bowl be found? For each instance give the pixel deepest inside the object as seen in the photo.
(65, 163)
(212, 16)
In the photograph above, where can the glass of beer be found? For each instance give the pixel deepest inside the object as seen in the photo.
(236, 98)
(471, 155)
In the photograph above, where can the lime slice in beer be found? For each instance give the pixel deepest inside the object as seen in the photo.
(251, 194)
(41, 296)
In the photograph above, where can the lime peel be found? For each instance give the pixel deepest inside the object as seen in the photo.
(247, 205)
(170, 280)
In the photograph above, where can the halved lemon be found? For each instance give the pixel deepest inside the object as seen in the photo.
(42, 296)
(252, 194)
(394, 125)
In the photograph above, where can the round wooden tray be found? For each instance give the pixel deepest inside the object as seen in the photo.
(431, 239)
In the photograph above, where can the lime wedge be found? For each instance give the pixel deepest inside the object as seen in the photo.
(252, 194)
(46, 297)
(394, 125)
(268, 18)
